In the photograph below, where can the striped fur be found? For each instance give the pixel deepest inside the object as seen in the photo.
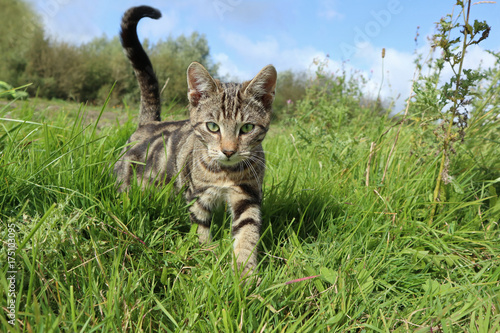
(213, 166)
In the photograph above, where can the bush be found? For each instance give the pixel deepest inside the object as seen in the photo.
(291, 88)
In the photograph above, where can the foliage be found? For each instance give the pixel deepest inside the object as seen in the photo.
(291, 88)
(453, 97)
(87, 72)
(334, 98)
(171, 59)
(20, 28)
(7, 91)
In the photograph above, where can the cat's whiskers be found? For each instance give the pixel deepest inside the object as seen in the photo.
(252, 169)
(264, 163)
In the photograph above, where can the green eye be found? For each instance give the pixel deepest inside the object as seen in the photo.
(213, 127)
(247, 128)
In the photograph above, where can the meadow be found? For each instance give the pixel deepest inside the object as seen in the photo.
(372, 222)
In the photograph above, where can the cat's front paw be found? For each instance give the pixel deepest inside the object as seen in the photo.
(247, 270)
(204, 235)
(249, 275)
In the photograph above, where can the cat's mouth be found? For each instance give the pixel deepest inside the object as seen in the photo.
(229, 161)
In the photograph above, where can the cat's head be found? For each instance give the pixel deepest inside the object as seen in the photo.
(230, 119)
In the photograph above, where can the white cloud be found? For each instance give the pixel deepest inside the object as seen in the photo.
(270, 51)
(68, 21)
(300, 58)
(248, 49)
(79, 21)
(161, 29)
(399, 68)
(476, 56)
(331, 14)
(391, 75)
(228, 70)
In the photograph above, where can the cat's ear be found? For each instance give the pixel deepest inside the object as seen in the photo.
(200, 83)
(263, 86)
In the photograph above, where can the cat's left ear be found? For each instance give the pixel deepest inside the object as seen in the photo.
(263, 86)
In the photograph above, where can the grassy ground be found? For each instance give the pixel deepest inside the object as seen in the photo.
(344, 206)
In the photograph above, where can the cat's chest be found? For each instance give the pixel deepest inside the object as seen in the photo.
(217, 195)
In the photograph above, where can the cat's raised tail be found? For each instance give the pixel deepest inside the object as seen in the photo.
(148, 83)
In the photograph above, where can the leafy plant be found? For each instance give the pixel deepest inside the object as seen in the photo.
(6, 90)
(456, 93)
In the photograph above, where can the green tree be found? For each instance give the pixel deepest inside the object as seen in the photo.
(171, 59)
(291, 87)
(20, 27)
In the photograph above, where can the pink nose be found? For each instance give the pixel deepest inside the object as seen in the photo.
(228, 153)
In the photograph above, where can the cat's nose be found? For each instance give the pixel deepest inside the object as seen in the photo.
(228, 153)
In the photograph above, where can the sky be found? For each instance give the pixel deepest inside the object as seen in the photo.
(246, 35)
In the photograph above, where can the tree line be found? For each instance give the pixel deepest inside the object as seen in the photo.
(87, 72)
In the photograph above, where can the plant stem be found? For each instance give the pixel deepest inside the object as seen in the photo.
(447, 137)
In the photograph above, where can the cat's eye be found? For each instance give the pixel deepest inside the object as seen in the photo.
(212, 127)
(247, 128)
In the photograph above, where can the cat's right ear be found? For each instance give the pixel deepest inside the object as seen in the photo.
(200, 83)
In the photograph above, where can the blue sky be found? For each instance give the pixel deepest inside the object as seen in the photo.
(245, 35)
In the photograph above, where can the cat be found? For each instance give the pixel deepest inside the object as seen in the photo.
(215, 156)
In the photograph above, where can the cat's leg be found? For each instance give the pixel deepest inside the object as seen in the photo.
(245, 208)
(201, 214)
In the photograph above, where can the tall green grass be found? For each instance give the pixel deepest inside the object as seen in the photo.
(90, 259)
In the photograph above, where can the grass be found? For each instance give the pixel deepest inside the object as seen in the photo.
(89, 259)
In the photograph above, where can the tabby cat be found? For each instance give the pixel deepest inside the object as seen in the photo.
(216, 155)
